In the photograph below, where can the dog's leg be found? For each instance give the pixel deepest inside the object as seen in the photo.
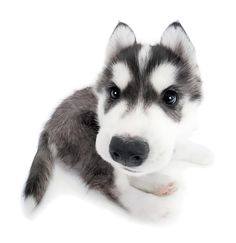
(155, 183)
(141, 204)
(192, 152)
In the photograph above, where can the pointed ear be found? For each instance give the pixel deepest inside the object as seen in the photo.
(176, 39)
(122, 37)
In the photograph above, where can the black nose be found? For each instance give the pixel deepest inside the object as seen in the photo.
(128, 151)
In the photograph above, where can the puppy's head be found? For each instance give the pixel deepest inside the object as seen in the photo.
(147, 96)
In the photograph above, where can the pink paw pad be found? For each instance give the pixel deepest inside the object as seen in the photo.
(165, 190)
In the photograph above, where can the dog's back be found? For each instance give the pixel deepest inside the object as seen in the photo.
(70, 135)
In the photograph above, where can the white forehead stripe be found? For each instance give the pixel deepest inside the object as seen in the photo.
(163, 76)
(143, 56)
(121, 75)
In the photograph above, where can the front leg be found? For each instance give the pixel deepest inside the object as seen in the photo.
(192, 152)
(155, 183)
(141, 204)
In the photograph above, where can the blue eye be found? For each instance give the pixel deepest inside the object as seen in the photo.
(114, 93)
(170, 97)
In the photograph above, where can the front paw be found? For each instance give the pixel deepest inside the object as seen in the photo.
(203, 156)
(165, 189)
(157, 184)
(194, 153)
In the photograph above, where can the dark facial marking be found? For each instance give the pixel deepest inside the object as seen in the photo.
(140, 88)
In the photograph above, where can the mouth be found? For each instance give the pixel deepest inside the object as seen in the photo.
(130, 170)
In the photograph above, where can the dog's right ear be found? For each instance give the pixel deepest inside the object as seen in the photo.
(121, 38)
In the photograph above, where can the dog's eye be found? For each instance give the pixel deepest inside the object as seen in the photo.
(170, 97)
(115, 93)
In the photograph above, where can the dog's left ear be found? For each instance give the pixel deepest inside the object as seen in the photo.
(121, 38)
(176, 39)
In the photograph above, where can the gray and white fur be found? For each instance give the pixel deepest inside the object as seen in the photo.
(119, 134)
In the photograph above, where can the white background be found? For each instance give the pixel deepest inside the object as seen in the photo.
(50, 48)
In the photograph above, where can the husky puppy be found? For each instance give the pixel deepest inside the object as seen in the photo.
(119, 134)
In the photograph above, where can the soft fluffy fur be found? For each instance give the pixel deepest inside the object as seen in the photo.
(80, 130)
